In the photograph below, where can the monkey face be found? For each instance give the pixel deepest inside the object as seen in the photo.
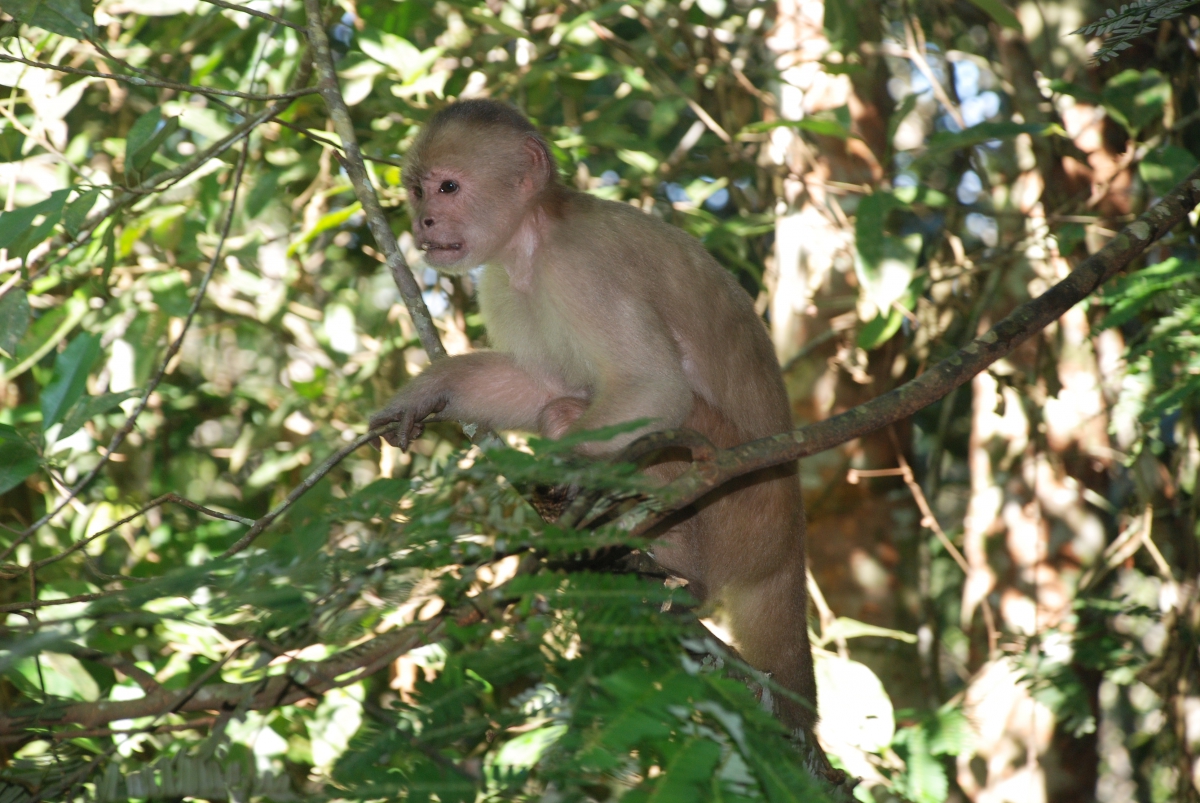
(467, 195)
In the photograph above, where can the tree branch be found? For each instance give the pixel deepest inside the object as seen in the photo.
(339, 112)
(139, 81)
(255, 13)
(303, 680)
(307, 483)
(957, 369)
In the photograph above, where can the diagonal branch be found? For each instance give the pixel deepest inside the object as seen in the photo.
(356, 170)
(1024, 322)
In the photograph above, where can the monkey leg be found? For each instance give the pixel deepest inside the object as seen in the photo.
(753, 538)
(742, 548)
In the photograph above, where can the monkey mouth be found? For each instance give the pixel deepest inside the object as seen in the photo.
(428, 246)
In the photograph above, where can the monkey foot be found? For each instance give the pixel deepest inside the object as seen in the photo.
(551, 500)
(840, 783)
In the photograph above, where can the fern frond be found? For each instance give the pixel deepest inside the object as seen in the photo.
(1132, 20)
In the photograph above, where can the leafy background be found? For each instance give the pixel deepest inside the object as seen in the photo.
(883, 178)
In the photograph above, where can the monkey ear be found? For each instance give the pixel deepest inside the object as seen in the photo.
(541, 165)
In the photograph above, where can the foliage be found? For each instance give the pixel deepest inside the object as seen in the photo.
(1132, 20)
(193, 318)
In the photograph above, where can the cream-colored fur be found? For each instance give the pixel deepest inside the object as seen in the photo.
(600, 314)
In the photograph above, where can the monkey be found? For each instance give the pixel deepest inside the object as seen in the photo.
(599, 314)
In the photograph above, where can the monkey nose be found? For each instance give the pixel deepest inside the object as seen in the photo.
(427, 222)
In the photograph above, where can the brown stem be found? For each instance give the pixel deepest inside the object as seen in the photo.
(356, 170)
(898, 404)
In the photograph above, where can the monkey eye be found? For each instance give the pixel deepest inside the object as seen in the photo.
(448, 187)
(417, 191)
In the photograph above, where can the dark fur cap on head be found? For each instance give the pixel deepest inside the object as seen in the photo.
(480, 126)
(482, 112)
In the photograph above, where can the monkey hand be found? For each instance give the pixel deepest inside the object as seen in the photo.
(411, 413)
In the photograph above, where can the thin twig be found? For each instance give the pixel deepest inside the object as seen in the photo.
(161, 500)
(260, 14)
(139, 81)
(312, 479)
(930, 521)
(172, 350)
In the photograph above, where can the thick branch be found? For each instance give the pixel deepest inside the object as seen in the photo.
(356, 170)
(957, 369)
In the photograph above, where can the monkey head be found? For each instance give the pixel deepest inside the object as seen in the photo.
(475, 175)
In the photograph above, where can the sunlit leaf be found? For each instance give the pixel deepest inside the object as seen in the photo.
(64, 17)
(18, 458)
(986, 132)
(69, 379)
(14, 319)
(999, 12)
(1165, 167)
(855, 709)
(813, 125)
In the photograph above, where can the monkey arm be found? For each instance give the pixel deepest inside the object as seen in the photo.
(486, 388)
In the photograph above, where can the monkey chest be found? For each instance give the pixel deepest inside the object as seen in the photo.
(538, 333)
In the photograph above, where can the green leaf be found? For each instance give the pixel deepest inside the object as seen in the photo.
(951, 734)
(1165, 167)
(841, 27)
(925, 778)
(1136, 98)
(1134, 293)
(11, 143)
(884, 264)
(89, 407)
(814, 125)
(144, 138)
(18, 233)
(14, 320)
(77, 211)
(986, 132)
(264, 190)
(852, 628)
(330, 220)
(687, 772)
(999, 12)
(67, 383)
(1076, 91)
(639, 159)
(18, 458)
(64, 17)
(880, 330)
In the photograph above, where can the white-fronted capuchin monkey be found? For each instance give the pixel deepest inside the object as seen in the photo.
(599, 314)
